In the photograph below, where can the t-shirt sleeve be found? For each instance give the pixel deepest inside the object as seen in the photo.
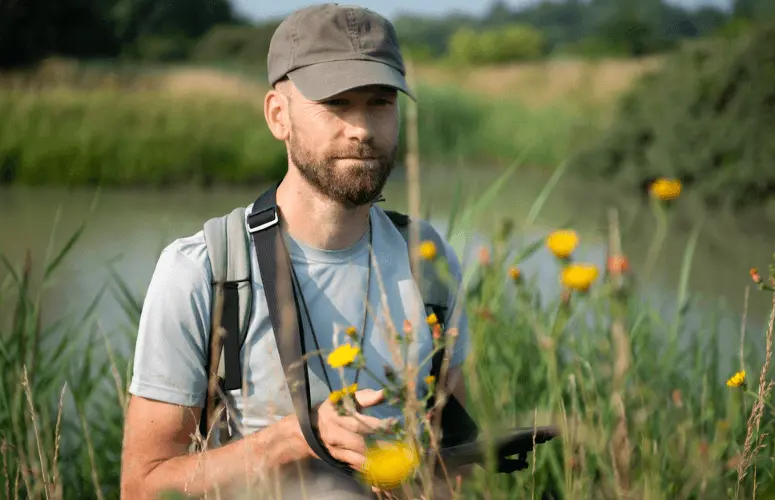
(171, 348)
(456, 310)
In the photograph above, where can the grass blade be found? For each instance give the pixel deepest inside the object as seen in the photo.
(686, 266)
(683, 283)
(132, 307)
(544, 194)
(7, 264)
(93, 305)
(54, 264)
(487, 197)
(455, 208)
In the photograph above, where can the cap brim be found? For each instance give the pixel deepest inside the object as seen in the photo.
(324, 80)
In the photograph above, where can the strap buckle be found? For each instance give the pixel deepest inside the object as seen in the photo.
(257, 221)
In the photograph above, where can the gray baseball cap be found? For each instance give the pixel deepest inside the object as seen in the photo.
(330, 48)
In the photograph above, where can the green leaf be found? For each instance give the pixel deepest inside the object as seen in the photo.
(9, 267)
(54, 264)
(544, 194)
(455, 208)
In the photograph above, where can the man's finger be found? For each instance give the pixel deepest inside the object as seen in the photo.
(350, 457)
(363, 424)
(367, 398)
(344, 439)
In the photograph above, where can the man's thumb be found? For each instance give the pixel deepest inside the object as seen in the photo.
(369, 397)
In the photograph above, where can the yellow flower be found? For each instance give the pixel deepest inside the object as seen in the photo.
(578, 276)
(737, 380)
(343, 355)
(428, 250)
(562, 243)
(389, 465)
(336, 396)
(665, 189)
(429, 379)
(515, 273)
(432, 319)
(351, 332)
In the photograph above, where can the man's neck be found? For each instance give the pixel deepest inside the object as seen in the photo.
(317, 221)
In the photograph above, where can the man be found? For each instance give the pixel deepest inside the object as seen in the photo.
(335, 74)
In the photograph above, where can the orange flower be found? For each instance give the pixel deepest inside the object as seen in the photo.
(515, 273)
(755, 276)
(677, 399)
(618, 264)
(484, 256)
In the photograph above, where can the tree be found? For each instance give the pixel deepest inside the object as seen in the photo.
(706, 117)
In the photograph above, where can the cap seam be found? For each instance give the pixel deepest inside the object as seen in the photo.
(294, 44)
(354, 43)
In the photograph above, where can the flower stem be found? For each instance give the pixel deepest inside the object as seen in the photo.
(659, 237)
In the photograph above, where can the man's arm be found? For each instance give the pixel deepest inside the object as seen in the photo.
(168, 387)
(155, 455)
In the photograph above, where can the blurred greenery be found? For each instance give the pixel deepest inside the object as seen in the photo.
(707, 117)
(68, 136)
(211, 29)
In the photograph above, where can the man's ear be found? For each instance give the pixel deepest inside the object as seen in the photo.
(277, 114)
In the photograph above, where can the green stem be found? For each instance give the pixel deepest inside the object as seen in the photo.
(661, 231)
(757, 398)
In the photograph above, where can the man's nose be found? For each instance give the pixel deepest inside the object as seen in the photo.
(359, 125)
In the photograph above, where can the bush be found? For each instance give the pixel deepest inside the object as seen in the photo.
(509, 43)
(457, 126)
(246, 44)
(707, 118)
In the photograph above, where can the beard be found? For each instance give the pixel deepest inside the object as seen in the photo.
(354, 185)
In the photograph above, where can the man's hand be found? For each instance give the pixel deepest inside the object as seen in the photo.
(344, 435)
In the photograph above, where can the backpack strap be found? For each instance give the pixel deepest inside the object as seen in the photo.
(274, 264)
(228, 251)
(434, 290)
(457, 426)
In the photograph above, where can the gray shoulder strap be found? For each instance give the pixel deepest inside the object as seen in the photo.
(228, 248)
(434, 288)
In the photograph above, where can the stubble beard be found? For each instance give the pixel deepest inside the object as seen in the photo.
(351, 186)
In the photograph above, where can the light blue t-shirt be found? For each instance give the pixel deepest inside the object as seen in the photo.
(172, 342)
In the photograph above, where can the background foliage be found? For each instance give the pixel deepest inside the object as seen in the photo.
(707, 117)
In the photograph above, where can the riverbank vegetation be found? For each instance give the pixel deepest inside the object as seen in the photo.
(706, 117)
(69, 125)
(649, 405)
(127, 125)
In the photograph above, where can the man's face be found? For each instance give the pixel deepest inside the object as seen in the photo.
(346, 146)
